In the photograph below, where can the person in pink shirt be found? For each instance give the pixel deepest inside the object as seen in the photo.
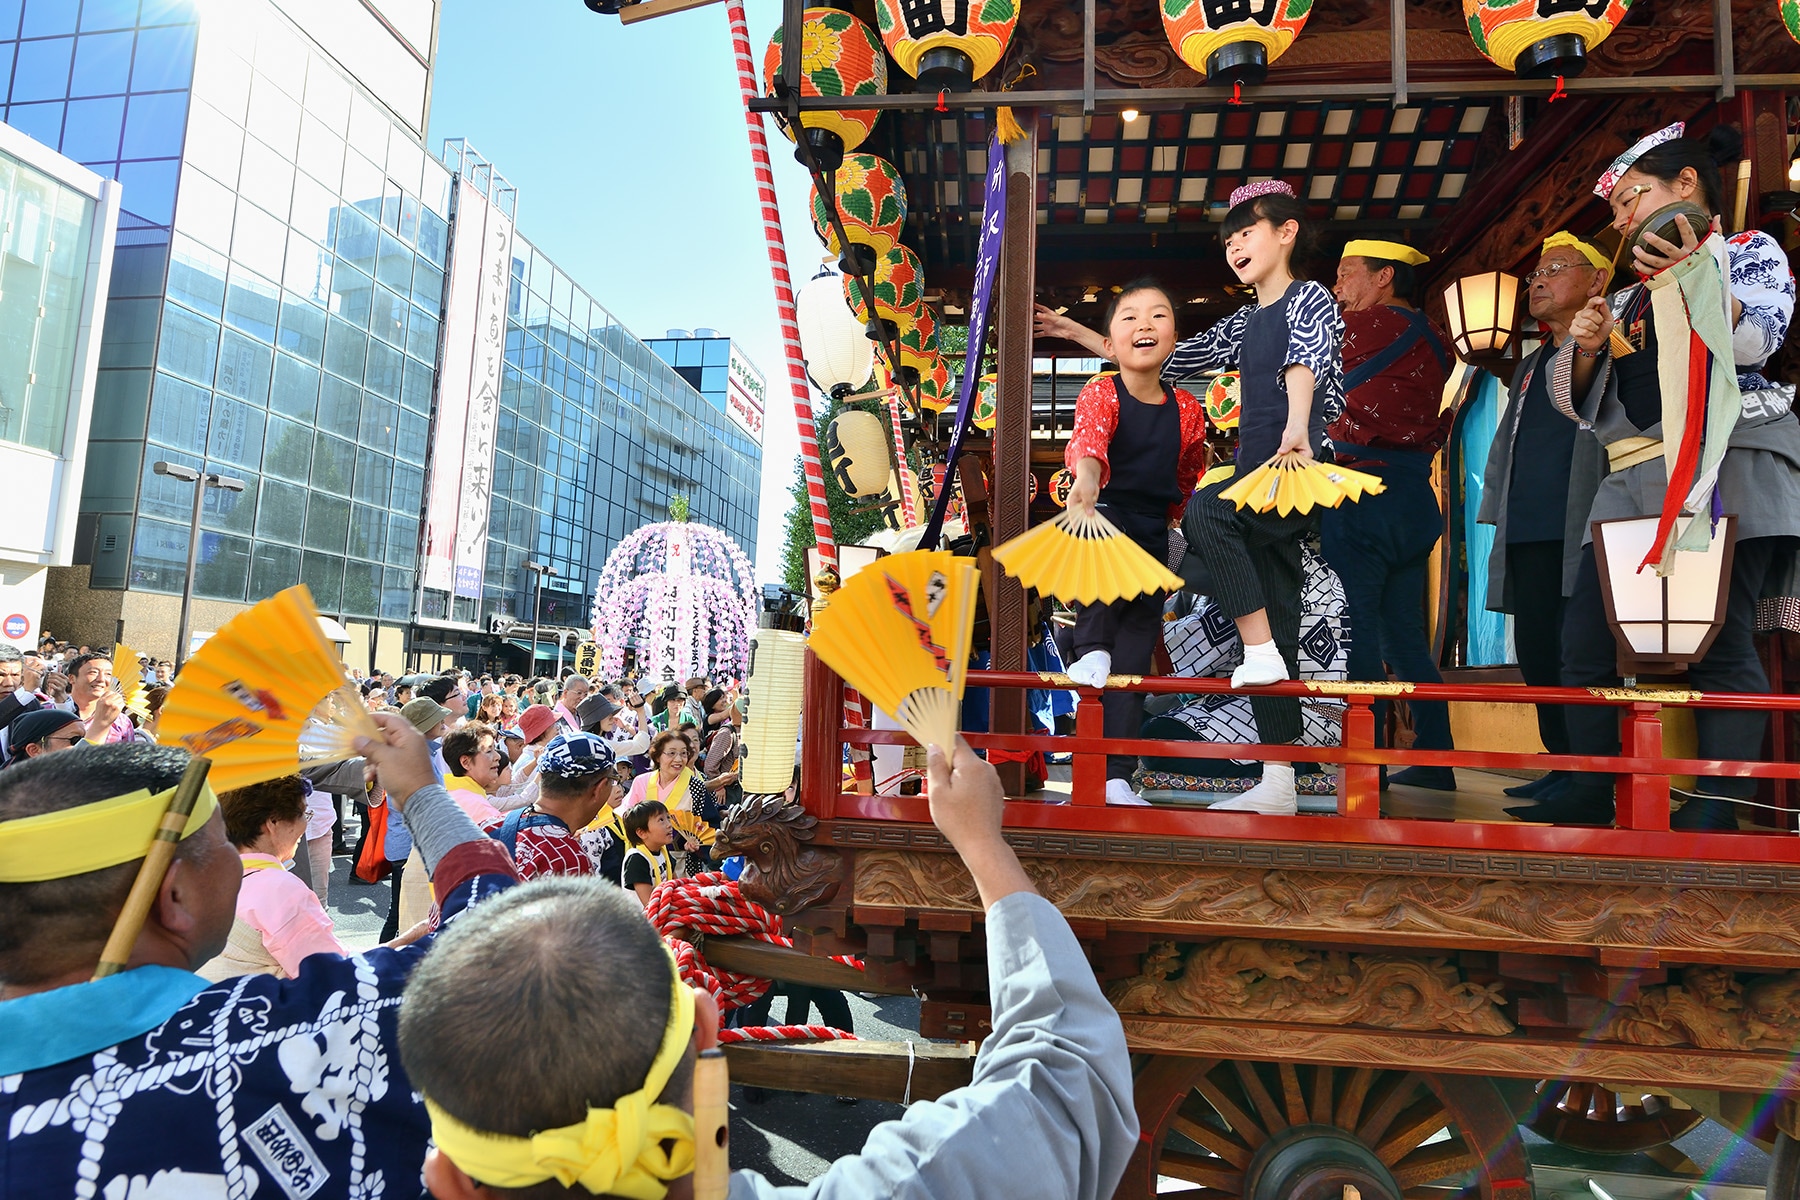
(280, 921)
(475, 767)
(575, 690)
(98, 703)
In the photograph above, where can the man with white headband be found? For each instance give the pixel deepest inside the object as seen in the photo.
(154, 1084)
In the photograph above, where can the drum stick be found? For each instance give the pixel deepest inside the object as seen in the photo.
(1742, 211)
(150, 873)
(1616, 341)
(712, 1113)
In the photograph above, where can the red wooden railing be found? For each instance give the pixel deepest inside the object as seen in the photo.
(1641, 827)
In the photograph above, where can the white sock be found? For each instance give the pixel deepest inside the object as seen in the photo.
(1118, 792)
(1274, 795)
(1091, 669)
(1262, 664)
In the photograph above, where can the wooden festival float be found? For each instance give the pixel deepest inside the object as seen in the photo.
(1378, 995)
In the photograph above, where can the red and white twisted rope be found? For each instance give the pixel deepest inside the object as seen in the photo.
(784, 289)
(785, 1033)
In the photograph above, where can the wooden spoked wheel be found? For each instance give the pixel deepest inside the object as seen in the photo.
(1598, 1120)
(1275, 1131)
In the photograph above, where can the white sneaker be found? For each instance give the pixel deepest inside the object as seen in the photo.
(1274, 796)
(1119, 793)
(1091, 669)
(1255, 672)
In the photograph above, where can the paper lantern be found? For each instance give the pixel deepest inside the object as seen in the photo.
(839, 56)
(935, 391)
(1060, 483)
(947, 44)
(1482, 311)
(1790, 17)
(1211, 37)
(905, 480)
(1032, 491)
(1540, 39)
(856, 445)
(896, 283)
(871, 203)
(1221, 401)
(777, 683)
(919, 345)
(987, 408)
(839, 356)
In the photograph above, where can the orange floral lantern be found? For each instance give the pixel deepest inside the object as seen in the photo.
(1221, 402)
(1540, 39)
(1233, 41)
(947, 44)
(935, 392)
(897, 281)
(839, 56)
(871, 204)
(1790, 17)
(987, 407)
(919, 345)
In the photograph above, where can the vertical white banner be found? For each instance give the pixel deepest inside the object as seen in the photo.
(442, 505)
(484, 405)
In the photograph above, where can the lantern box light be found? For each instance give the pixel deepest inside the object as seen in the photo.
(839, 56)
(1483, 311)
(1541, 39)
(947, 44)
(1662, 623)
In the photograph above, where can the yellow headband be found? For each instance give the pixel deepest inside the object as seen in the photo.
(616, 1151)
(1391, 251)
(1563, 237)
(90, 837)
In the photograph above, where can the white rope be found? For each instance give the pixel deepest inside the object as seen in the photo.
(906, 1097)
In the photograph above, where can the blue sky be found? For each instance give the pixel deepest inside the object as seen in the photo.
(628, 147)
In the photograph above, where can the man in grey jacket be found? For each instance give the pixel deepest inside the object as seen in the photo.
(1542, 472)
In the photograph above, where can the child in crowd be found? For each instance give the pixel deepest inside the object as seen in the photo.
(647, 863)
(1136, 452)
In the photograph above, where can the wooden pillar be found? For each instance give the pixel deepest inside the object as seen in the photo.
(1012, 435)
(1359, 785)
(1642, 801)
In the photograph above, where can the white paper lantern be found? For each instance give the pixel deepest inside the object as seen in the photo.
(839, 355)
(777, 682)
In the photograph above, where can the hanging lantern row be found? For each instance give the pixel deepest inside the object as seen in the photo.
(947, 44)
(1541, 39)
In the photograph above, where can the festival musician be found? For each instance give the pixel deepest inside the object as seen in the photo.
(1730, 300)
(154, 1084)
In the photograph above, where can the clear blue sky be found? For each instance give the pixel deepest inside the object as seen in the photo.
(628, 147)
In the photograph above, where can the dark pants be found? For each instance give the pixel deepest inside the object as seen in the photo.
(1731, 665)
(1129, 631)
(834, 1010)
(1380, 548)
(1252, 560)
(1535, 571)
(390, 928)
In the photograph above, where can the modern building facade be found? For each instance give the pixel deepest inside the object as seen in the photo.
(275, 313)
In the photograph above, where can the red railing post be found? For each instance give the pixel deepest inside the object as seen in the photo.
(1088, 778)
(1359, 784)
(1642, 801)
(821, 736)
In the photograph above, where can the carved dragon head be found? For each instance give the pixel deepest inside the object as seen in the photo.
(782, 873)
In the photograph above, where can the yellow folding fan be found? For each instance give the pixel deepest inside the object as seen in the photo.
(1081, 557)
(898, 631)
(131, 683)
(265, 696)
(690, 824)
(1292, 483)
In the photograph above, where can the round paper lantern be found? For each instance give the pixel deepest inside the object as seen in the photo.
(896, 283)
(1031, 493)
(856, 445)
(1539, 39)
(987, 408)
(839, 355)
(902, 482)
(919, 345)
(1229, 48)
(955, 510)
(1060, 483)
(935, 391)
(1221, 401)
(839, 56)
(1790, 17)
(947, 44)
(871, 202)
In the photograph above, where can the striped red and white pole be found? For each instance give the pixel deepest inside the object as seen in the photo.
(784, 289)
(908, 510)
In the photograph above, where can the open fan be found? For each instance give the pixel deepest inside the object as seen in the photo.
(265, 696)
(1081, 557)
(130, 684)
(898, 631)
(690, 824)
(1292, 483)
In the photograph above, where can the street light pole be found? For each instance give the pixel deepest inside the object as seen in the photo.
(537, 605)
(201, 482)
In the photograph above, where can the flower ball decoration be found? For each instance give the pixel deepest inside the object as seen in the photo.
(839, 56)
(935, 389)
(1221, 401)
(1233, 42)
(1790, 17)
(897, 281)
(919, 346)
(947, 44)
(1540, 39)
(871, 203)
(681, 596)
(987, 408)
(1060, 483)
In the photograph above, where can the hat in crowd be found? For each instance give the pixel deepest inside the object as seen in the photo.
(695, 682)
(534, 721)
(1263, 187)
(1587, 250)
(35, 726)
(595, 709)
(572, 755)
(1609, 179)
(424, 714)
(1398, 252)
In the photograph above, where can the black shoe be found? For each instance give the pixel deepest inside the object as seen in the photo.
(1702, 812)
(1573, 805)
(1537, 787)
(1438, 779)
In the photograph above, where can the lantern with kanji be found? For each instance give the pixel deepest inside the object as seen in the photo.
(896, 283)
(839, 56)
(987, 404)
(947, 44)
(1233, 41)
(919, 346)
(1221, 402)
(1060, 483)
(1540, 39)
(856, 446)
(935, 392)
(871, 203)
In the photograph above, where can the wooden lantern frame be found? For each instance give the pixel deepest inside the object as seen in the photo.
(1635, 662)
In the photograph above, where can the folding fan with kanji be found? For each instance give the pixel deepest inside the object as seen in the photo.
(265, 696)
(1081, 557)
(898, 631)
(1293, 483)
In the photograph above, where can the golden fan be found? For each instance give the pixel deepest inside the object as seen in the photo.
(1081, 557)
(691, 824)
(1291, 483)
(131, 684)
(898, 631)
(265, 696)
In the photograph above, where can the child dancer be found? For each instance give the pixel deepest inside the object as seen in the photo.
(1137, 449)
(1287, 348)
